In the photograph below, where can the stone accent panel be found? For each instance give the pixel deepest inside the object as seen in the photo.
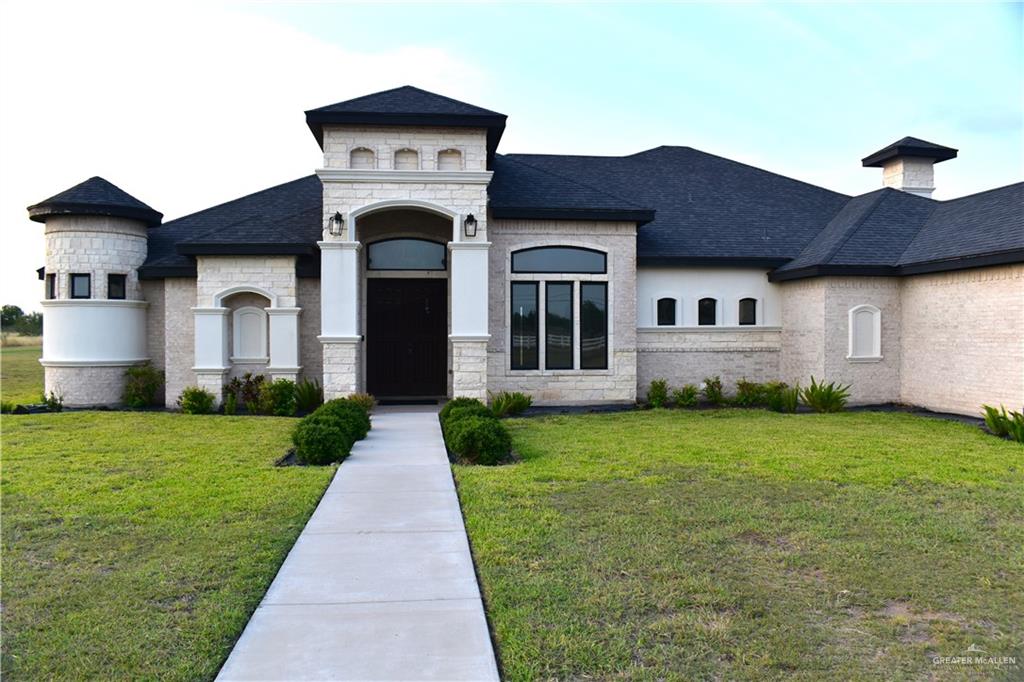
(342, 362)
(688, 356)
(384, 141)
(179, 336)
(96, 245)
(311, 356)
(86, 386)
(469, 369)
(963, 339)
(275, 274)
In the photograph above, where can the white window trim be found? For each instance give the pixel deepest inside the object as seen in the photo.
(236, 334)
(876, 334)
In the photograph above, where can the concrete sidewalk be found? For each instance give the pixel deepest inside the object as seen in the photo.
(380, 584)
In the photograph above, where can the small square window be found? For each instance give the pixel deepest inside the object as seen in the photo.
(80, 286)
(117, 286)
(51, 286)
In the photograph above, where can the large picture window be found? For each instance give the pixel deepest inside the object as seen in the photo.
(593, 325)
(558, 325)
(525, 325)
(406, 254)
(559, 259)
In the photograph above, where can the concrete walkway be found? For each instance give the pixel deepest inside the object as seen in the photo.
(380, 584)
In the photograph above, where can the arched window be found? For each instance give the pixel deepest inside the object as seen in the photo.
(449, 160)
(249, 334)
(666, 312)
(407, 159)
(406, 254)
(748, 311)
(559, 259)
(361, 157)
(865, 333)
(707, 311)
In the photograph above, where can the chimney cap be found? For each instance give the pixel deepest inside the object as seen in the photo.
(910, 146)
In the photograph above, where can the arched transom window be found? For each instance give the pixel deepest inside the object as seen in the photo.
(406, 254)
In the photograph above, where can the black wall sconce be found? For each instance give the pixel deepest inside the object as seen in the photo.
(469, 226)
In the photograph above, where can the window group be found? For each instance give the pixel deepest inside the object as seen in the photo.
(80, 286)
(709, 311)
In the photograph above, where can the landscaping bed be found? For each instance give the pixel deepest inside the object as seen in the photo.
(138, 544)
(746, 544)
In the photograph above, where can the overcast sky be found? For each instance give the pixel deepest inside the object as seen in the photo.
(185, 106)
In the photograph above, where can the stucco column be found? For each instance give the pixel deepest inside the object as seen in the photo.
(211, 349)
(469, 335)
(284, 343)
(339, 317)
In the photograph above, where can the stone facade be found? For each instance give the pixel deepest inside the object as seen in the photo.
(688, 356)
(273, 274)
(910, 174)
(86, 386)
(310, 351)
(384, 141)
(618, 239)
(962, 339)
(179, 336)
(97, 246)
(342, 369)
(153, 294)
(469, 369)
(803, 330)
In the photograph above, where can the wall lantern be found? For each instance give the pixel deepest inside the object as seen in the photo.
(336, 224)
(469, 225)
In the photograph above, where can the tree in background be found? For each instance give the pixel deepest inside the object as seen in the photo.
(13, 319)
(9, 316)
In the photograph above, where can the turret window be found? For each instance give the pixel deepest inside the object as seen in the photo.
(51, 286)
(117, 286)
(80, 286)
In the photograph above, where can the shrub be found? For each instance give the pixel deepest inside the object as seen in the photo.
(364, 400)
(479, 440)
(712, 390)
(750, 393)
(195, 400)
(1005, 424)
(321, 439)
(309, 395)
(685, 396)
(1015, 428)
(507, 404)
(822, 397)
(351, 414)
(784, 398)
(276, 398)
(454, 403)
(230, 404)
(460, 413)
(657, 394)
(53, 402)
(6, 407)
(141, 385)
(246, 390)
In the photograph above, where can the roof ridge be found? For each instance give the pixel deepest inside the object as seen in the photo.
(852, 229)
(580, 184)
(451, 99)
(977, 194)
(235, 200)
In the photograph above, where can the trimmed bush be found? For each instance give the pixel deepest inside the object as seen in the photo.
(460, 413)
(822, 397)
(712, 390)
(479, 440)
(348, 412)
(277, 398)
(195, 400)
(507, 404)
(141, 385)
(321, 439)
(309, 395)
(657, 393)
(364, 400)
(456, 403)
(685, 396)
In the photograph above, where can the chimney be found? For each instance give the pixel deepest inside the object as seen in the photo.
(908, 165)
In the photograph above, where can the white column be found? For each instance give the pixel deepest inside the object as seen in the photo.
(469, 290)
(284, 342)
(339, 291)
(211, 348)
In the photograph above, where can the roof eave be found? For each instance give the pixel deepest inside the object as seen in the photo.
(1008, 257)
(879, 158)
(243, 249)
(495, 124)
(712, 261)
(40, 212)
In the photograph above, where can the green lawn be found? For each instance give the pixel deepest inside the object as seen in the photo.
(749, 545)
(21, 375)
(135, 546)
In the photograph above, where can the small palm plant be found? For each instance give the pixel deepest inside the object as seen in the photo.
(822, 397)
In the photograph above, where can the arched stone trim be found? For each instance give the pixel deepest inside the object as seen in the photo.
(392, 204)
(218, 298)
(865, 314)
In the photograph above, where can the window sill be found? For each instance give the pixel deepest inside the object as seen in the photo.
(558, 372)
(250, 361)
(870, 358)
(713, 328)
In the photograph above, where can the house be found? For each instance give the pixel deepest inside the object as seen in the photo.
(418, 261)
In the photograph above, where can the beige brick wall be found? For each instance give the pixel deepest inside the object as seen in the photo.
(469, 369)
(86, 386)
(384, 141)
(274, 274)
(616, 384)
(803, 331)
(153, 293)
(95, 245)
(311, 356)
(689, 356)
(179, 336)
(963, 339)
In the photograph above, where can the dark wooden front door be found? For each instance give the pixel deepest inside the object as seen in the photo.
(406, 337)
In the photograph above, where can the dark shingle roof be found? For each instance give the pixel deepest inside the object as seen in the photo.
(286, 219)
(407, 105)
(95, 196)
(705, 207)
(910, 146)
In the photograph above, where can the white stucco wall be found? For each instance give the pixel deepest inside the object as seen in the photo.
(690, 284)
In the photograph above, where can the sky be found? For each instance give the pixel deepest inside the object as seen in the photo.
(188, 105)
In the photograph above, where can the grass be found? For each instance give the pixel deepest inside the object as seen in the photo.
(10, 339)
(136, 545)
(21, 375)
(749, 545)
